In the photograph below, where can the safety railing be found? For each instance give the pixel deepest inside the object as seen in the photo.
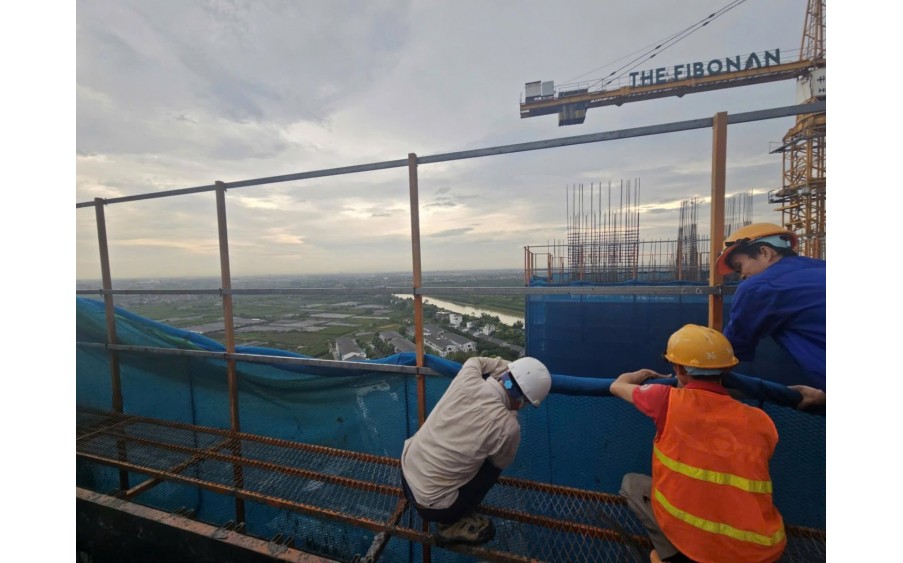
(715, 291)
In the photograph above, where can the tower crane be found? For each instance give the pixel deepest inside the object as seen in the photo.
(801, 199)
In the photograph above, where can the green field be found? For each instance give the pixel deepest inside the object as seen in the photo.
(270, 320)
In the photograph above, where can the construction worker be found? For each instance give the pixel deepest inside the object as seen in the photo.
(472, 434)
(783, 295)
(709, 497)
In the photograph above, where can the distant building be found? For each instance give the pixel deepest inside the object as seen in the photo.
(397, 341)
(455, 319)
(402, 344)
(347, 350)
(488, 329)
(445, 343)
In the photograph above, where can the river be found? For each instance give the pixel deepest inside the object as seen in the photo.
(466, 309)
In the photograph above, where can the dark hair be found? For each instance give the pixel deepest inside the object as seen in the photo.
(752, 250)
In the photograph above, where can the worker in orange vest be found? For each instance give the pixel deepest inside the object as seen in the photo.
(710, 495)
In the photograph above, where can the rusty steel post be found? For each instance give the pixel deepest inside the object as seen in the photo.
(110, 315)
(719, 174)
(110, 312)
(417, 283)
(418, 305)
(229, 327)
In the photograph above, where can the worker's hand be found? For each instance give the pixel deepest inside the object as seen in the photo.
(811, 396)
(625, 384)
(640, 376)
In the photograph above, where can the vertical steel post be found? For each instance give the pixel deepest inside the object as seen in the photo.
(719, 175)
(110, 315)
(418, 308)
(418, 282)
(110, 312)
(229, 327)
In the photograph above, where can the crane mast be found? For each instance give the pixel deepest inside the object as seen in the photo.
(801, 198)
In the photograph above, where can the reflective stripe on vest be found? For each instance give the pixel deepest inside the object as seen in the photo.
(712, 491)
(716, 477)
(718, 527)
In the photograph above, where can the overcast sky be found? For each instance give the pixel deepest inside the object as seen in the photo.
(175, 94)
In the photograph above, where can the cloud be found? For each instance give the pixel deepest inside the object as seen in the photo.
(452, 232)
(284, 238)
(172, 95)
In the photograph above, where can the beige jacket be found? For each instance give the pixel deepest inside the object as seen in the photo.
(471, 423)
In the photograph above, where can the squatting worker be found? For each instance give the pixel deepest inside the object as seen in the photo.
(471, 435)
(782, 295)
(709, 498)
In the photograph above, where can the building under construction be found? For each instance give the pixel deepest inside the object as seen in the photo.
(191, 449)
(603, 242)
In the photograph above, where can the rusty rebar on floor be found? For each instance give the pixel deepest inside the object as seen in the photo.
(534, 521)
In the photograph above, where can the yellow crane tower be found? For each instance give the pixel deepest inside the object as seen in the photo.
(801, 199)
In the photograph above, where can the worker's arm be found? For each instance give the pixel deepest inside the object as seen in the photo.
(494, 367)
(624, 385)
(756, 312)
(476, 367)
(811, 396)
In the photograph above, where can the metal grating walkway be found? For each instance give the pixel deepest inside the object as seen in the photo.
(534, 521)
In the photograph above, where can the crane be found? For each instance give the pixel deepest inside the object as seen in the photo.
(542, 98)
(801, 199)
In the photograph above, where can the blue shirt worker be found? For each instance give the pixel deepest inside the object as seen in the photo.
(782, 295)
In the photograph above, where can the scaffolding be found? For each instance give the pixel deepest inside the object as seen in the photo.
(247, 473)
(801, 198)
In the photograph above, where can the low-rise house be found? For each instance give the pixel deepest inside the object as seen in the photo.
(397, 341)
(347, 350)
(445, 343)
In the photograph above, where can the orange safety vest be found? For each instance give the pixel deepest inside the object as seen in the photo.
(711, 487)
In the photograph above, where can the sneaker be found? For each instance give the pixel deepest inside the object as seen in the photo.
(473, 529)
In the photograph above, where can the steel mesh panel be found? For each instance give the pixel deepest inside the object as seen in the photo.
(534, 520)
(332, 502)
(799, 495)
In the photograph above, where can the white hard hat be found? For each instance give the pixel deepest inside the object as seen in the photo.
(532, 377)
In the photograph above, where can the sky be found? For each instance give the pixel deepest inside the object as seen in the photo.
(174, 94)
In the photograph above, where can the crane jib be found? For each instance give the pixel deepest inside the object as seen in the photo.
(699, 69)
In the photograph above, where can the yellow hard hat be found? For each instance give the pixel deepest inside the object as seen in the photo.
(700, 347)
(768, 233)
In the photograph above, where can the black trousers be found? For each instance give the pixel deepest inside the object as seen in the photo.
(470, 495)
